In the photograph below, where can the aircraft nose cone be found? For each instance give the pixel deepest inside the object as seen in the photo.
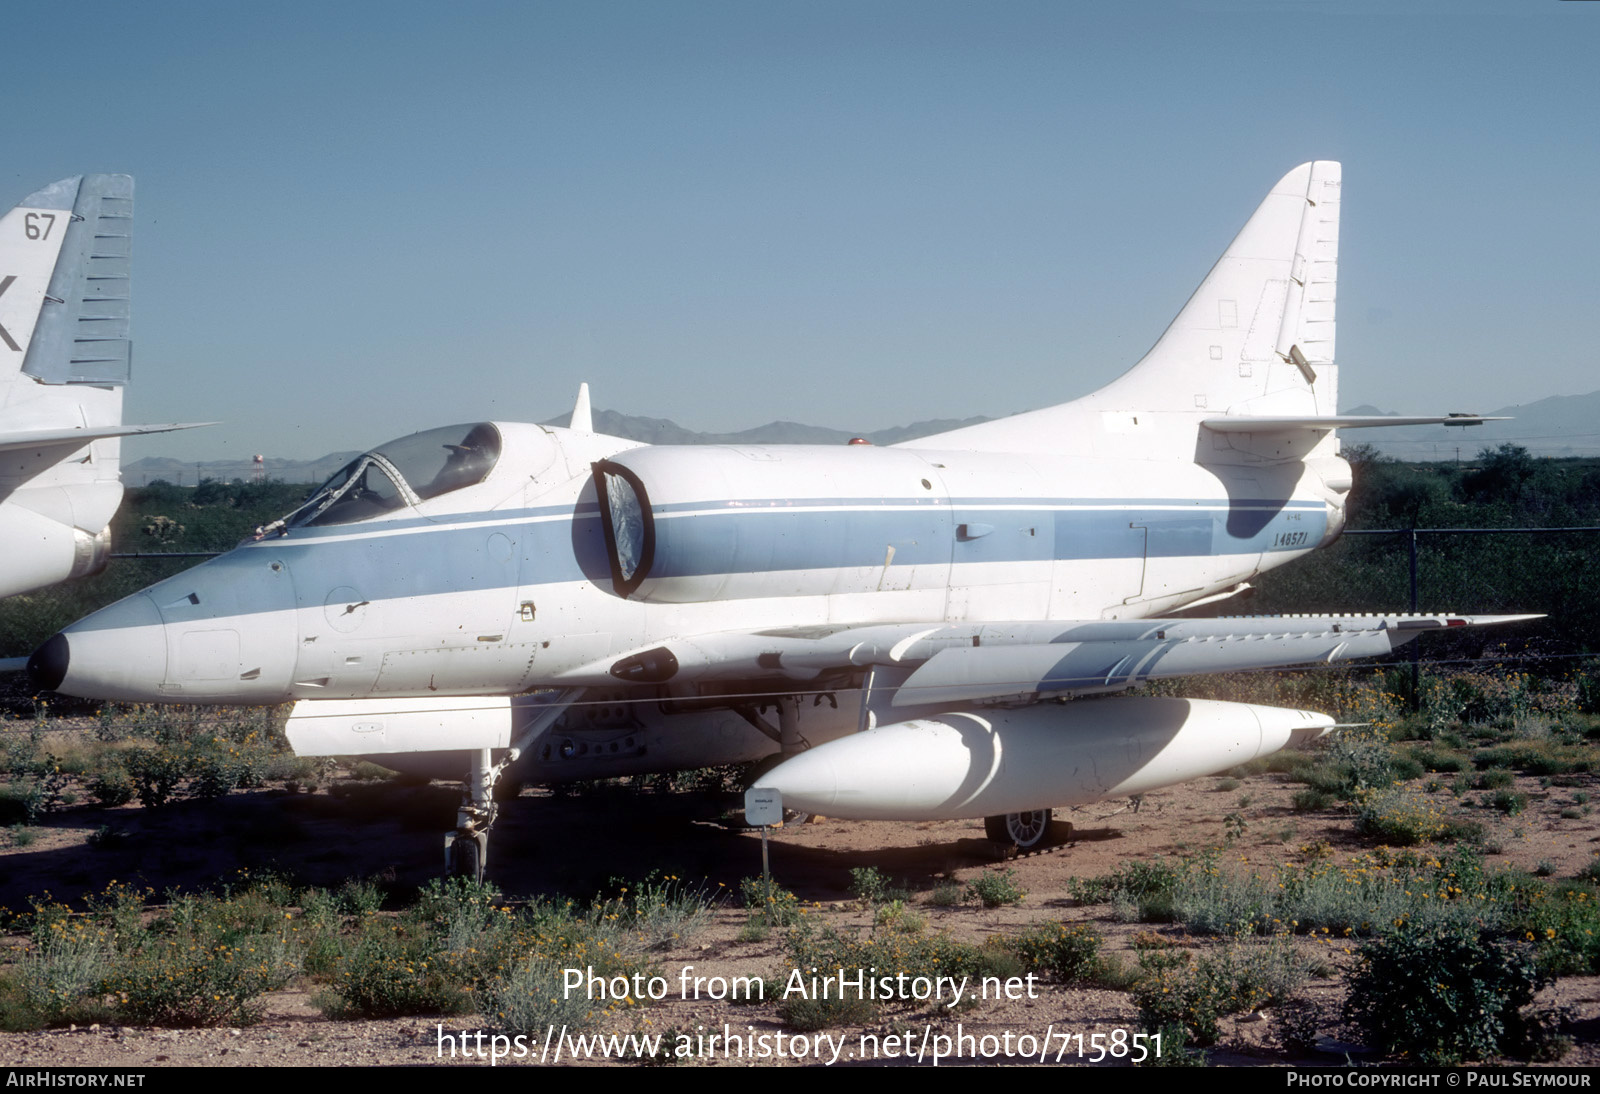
(119, 652)
(48, 665)
(223, 632)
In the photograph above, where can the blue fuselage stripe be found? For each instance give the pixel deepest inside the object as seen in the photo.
(411, 557)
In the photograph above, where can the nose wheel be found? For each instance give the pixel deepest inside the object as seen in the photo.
(466, 850)
(464, 854)
(1019, 831)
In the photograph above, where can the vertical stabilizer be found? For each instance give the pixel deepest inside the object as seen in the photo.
(65, 350)
(1256, 338)
(82, 333)
(30, 243)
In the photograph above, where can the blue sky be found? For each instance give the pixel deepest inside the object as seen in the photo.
(358, 220)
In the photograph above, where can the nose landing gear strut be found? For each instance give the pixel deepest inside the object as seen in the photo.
(466, 849)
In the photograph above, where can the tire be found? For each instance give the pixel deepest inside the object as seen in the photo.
(464, 859)
(1023, 831)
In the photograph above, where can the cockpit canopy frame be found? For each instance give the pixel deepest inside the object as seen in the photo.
(402, 473)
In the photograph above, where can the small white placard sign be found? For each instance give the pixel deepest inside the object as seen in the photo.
(763, 805)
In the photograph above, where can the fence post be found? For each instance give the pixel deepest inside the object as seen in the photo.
(1416, 689)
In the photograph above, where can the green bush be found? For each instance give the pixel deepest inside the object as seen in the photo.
(1563, 923)
(661, 910)
(995, 889)
(460, 913)
(530, 997)
(1443, 994)
(21, 802)
(1065, 952)
(205, 963)
(1311, 800)
(156, 773)
(1398, 816)
(454, 941)
(1588, 682)
(1174, 1051)
(890, 954)
(808, 1014)
(62, 973)
(1149, 885)
(1240, 977)
(318, 931)
(1509, 802)
(389, 972)
(195, 984)
(782, 909)
(360, 896)
(896, 917)
(1439, 759)
(868, 885)
(1537, 758)
(112, 787)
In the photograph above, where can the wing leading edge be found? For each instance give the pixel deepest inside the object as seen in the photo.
(957, 662)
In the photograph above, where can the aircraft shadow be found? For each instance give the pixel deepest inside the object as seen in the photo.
(542, 845)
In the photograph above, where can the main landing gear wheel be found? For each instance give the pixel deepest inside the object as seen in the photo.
(1024, 831)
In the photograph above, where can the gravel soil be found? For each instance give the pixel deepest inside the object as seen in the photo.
(547, 844)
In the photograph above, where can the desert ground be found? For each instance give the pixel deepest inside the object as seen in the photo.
(336, 828)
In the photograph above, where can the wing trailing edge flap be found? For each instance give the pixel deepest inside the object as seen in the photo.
(1180, 649)
(366, 727)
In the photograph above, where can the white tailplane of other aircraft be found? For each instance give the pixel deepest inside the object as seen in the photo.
(902, 626)
(65, 354)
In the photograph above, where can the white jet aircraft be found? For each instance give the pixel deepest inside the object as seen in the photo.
(913, 616)
(64, 358)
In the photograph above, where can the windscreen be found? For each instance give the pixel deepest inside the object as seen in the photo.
(393, 475)
(442, 460)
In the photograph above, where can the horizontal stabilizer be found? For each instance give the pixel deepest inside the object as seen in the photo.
(1170, 648)
(364, 727)
(1245, 423)
(46, 438)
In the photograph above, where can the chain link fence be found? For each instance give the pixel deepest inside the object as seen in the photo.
(1554, 572)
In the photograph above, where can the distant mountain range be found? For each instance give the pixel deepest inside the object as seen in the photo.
(1563, 425)
(643, 430)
